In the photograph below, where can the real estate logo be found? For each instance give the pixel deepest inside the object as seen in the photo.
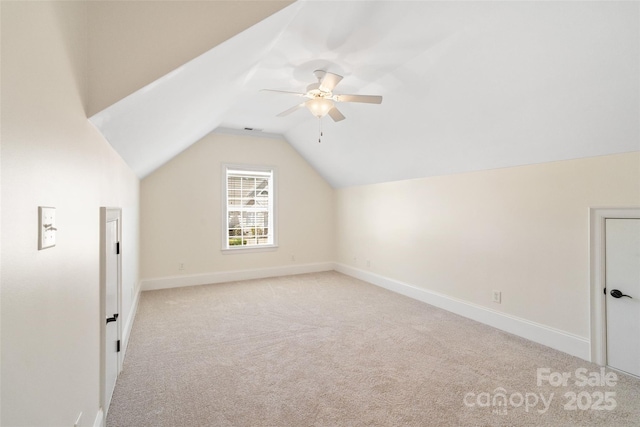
(589, 396)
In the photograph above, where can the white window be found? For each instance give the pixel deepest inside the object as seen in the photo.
(249, 214)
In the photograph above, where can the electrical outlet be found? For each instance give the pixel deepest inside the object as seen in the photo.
(181, 266)
(293, 258)
(368, 264)
(497, 297)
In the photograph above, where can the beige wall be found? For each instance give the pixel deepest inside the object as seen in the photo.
(181, 209)
(52, 156)
(136, 42)
(523, 231)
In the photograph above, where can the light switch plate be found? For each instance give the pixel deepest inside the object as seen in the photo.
(46, 227)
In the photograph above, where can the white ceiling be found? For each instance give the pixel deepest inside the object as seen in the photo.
(467, 86)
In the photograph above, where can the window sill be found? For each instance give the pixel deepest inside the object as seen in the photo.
(246, 250)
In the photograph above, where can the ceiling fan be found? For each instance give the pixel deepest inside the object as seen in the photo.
(322, 99)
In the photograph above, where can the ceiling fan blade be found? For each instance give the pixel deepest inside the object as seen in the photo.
(369, 99)
(336, 115)
(290, 110)
(329, 81)
(282, 91)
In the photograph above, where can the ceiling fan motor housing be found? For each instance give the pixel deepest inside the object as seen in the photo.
(314, 90)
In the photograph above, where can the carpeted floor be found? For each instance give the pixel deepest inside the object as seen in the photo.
(325, 349)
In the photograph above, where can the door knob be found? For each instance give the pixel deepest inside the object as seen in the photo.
(115, 316)
(617, 294)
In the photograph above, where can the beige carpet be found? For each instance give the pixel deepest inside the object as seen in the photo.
(328, 350)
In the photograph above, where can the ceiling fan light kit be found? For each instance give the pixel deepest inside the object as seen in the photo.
(319, 106)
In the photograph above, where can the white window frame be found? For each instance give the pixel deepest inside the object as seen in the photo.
(273, 190)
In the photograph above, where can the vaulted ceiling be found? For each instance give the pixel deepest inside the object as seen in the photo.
(466, 85)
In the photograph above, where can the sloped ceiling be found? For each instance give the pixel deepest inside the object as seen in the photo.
(467, 86)
(135, 42)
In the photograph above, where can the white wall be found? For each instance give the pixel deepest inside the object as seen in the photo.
(181, 207)
(523, 231)
(52, 156)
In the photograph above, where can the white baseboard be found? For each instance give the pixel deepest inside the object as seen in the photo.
(233, 276)
(99, 420)
(126, 333)
(545, 335)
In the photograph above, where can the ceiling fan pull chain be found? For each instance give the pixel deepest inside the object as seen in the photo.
(320, 127)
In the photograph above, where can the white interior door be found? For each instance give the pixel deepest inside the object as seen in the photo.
(112, 321)
(622, 255)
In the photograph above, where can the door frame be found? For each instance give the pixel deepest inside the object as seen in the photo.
(108, 214)
(598, 319)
